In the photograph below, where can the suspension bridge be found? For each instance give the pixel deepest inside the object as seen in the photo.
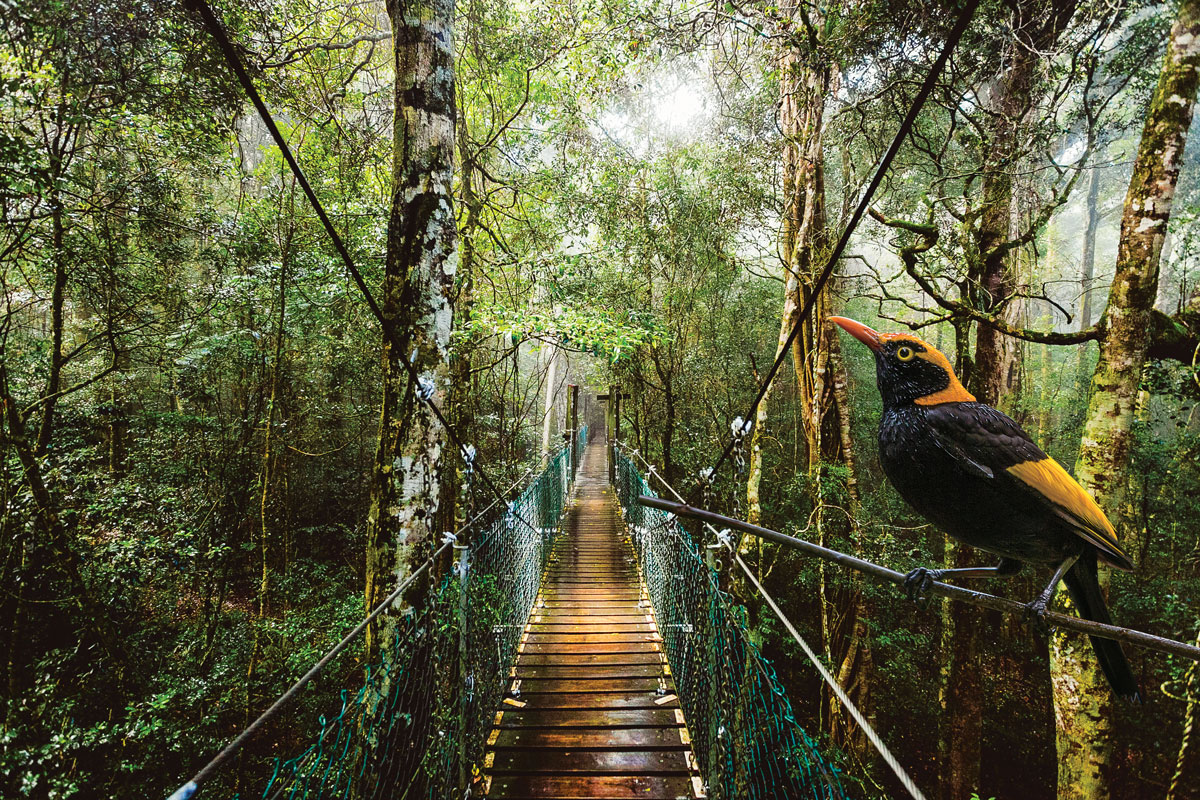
(580, 648)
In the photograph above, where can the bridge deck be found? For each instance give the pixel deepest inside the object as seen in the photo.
(593, 713)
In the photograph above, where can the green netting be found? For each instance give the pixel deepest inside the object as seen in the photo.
(418, 725)
(744, 733)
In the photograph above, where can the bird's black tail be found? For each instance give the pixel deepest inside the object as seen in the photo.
(1084, 589)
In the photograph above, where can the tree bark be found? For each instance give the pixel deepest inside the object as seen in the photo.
(1088, 258)
(57, 324)
(459, 407)
(1083, 702)
(1037, 24)
(418, 278)
(806, 81)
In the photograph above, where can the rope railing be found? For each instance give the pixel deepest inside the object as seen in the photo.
(417, 726)
(1054, 619)
(745, 736)
(726, 541)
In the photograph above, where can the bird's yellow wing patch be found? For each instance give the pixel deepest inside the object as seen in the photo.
(1047, 477)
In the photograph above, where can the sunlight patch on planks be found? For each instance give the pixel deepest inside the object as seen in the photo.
(591, 710)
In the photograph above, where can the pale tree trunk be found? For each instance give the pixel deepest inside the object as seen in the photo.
(1088, 257)
(1088, 265)
(1083, 703)
(1036, 24)
(454, 507)
(550, 412)
(806, 82)
(418, 279)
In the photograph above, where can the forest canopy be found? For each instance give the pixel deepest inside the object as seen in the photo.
(215, 457)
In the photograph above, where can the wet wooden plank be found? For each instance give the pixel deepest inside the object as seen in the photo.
(585, 619)
(529, 686)
(590, 723)
(560, 647)
(579, 659)
(591, 738)
(562, 637)
(615, 627)
(602, 762)
(609, 700)
(590, 671)
(590, 718)
(589, 787)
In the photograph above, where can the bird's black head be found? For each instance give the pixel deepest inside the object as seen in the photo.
(907, 369)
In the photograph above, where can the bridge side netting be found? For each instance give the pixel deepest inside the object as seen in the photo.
(744, 734)
(417, 726)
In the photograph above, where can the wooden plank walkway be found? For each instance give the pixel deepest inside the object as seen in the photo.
(592, 711)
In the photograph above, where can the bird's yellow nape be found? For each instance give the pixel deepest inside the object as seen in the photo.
(954, 392)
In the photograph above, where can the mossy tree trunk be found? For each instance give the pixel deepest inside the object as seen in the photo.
(1082, 700)
(1036, 26)
(807, 80)
(418, 280)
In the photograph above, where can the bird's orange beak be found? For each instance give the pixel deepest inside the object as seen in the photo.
(866, 335)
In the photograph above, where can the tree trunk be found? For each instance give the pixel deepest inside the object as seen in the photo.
(57, 300)
(1088, 258)
(806, 81)
(754, 467)
(265, 476)
(459, 408)
(1037, 24)
(961, 691)
(1183, 757)
(550, 412)
(1082, 700)
(418, 279)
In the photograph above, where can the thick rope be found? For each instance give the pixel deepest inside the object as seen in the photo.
(834, 686)
(964, 18)
(235, 63)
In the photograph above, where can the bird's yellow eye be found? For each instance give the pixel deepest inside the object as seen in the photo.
(905, 353)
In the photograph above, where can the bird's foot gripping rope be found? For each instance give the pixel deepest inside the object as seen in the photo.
(918, 583)
(1035, 616)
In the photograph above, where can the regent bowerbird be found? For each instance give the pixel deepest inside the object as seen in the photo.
(973, 472)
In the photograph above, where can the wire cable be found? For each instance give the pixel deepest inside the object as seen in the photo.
(960, 26)
(208, 770)
(235, 63)
(868, 731)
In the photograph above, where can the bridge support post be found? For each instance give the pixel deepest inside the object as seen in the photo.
(613, 415)
(573, 426)
(465, 679)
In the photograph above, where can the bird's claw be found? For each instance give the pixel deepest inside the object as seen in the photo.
(918, 582)
(1035, 615)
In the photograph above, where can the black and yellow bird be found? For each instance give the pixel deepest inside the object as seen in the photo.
(972, 471)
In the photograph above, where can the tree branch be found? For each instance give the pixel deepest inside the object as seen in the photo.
(929, 237)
